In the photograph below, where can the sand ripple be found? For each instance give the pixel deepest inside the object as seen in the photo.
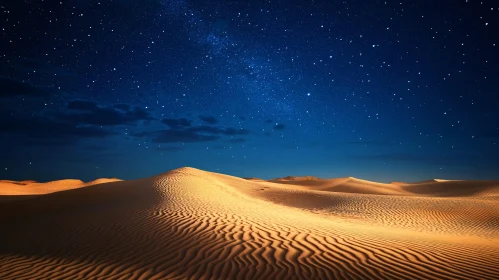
(193, 224)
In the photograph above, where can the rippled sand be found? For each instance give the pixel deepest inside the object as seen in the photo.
(189, 223)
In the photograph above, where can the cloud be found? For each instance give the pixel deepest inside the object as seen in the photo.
(177, 123)
(217, 130)
(90, 113)
(26, 139)
(233, 131)
(179, 132)
(268, 121)
(82, 105)
(208, 119)
(81, 119)
(50, 130)
(206, 129)
(123, 107)
(176, 136)
(12, 88)
(279, 126)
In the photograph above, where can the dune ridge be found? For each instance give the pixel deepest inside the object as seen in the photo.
(29, 187)
(189, 223)
(430, 188)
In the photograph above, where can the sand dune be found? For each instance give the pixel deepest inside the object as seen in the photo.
(450, 188)
(189, 223)
(34, 188)
(434, 187)
(346, 185)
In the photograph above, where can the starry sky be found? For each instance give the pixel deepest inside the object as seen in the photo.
(380, 90)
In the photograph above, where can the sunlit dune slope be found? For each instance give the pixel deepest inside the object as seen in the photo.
(450, 188)
(347, 185)
(434, 187)
(35, 188)
(193, 224)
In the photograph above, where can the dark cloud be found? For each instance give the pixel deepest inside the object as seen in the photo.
(52, 129)
(137, 114)
(27, 139)
(179, 132)
(177, 123)
(87, 112)
(242, 118)
(12, 88)
(279, 126)
(208, 119)
(82, 105)
(206, 129)
(124, 107)
(81, 120)
(268, 121)
(233, 131)
(217, 130)
(176, 136)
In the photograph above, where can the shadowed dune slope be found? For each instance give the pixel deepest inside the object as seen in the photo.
(189, 223)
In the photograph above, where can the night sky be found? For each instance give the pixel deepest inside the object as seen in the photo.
(380, 90)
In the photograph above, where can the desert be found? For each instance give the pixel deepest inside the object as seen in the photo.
(189, 139)
(193, 224)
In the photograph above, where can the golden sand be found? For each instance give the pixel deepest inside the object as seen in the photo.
(193, 224)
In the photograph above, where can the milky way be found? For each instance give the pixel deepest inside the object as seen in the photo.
(382, 90)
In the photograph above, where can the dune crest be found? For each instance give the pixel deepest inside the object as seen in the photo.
(189, 223)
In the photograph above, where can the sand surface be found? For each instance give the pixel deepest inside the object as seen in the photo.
(193, 224)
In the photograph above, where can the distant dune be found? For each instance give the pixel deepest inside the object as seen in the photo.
(398, 183)
(254, 179)
(346, 185)
(192, 224)
(34, 188)
(434, 181)
(297, 178)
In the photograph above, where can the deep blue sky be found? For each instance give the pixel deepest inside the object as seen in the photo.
(381, 90)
